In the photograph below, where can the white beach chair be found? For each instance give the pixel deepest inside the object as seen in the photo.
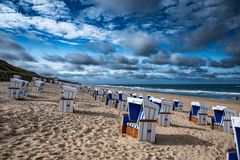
(234, 154)
(16, 77)
(16, 89)
(198, 113)
(164, 116)
(141, 119)
(222, 118)
(123, 102)
(113, 99)
(55, 80)
(67, 99)
(25, 88)
(177, 105)
(38, 86)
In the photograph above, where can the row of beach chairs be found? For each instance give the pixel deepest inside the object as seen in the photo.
(143, 112)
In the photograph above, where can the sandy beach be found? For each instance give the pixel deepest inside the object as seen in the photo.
(33, 128)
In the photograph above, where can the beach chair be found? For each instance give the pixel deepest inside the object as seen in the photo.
(99, 94)
(177, 105)
(113, 100)
(38, 86)
(16, 77)
(198, 113)
(234, 153)
(123, 101)
(55, 80)
(164, 116)
(67, 99)
(221, 119)
(141, 119)
(25, 88)
(16, 89)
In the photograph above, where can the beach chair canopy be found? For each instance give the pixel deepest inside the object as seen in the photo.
(218, 112)
(17, 83)
(69, 92)
(39, 83)
(236, 131)
(228, 113)
(195, 108)
(134, 108)
(16, 76)
(150, 110)
(166, 106)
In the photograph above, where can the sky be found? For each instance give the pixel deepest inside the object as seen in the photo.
(124, 41)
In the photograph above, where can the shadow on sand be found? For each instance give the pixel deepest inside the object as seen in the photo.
(188, 127)
(180, 139)
(108, 115)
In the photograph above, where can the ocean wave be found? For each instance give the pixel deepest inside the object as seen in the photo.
(177, 91)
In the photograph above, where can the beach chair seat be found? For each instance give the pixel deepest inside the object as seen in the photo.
(234, 153)
(67, 99)
(38, 86)
(222, 118)
(141, 119)
(16, 89)
(198, 113)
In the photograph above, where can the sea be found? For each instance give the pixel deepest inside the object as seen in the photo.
(219, 91)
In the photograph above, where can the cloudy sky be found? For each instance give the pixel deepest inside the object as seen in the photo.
(124, 41)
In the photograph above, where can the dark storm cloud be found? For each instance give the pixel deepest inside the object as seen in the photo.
(11, 50)
(141, 43)
(188, 61)
(175, 59)
(84, 59)
(225, 63)
(73, 68)
(54, 58)
(202, 36)
(101, 47)
(129, 6)
(160, 58)
(123, 60)
(118, 66)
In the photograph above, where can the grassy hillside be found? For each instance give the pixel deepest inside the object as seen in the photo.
(7, 71)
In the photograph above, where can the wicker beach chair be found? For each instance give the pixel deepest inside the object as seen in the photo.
(198, 113)
(16, 89)
(177, 105)
(67, 99)
(38, 86)
(165, 111)
(222, 118)
(141, 119)
(123, 101)
(16, 77)
(234, 153)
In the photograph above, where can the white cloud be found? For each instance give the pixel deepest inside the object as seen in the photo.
(10, 19)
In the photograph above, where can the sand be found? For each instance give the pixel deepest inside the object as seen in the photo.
(34, 129)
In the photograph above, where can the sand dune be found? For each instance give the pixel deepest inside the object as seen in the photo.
(34, 128)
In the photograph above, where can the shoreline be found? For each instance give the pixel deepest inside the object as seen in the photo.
(186, 99)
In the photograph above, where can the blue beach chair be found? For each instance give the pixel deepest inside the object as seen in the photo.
(140, 120)
(234, 154)
(198, 113)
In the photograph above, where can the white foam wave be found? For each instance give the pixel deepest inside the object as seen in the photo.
(176, 91)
